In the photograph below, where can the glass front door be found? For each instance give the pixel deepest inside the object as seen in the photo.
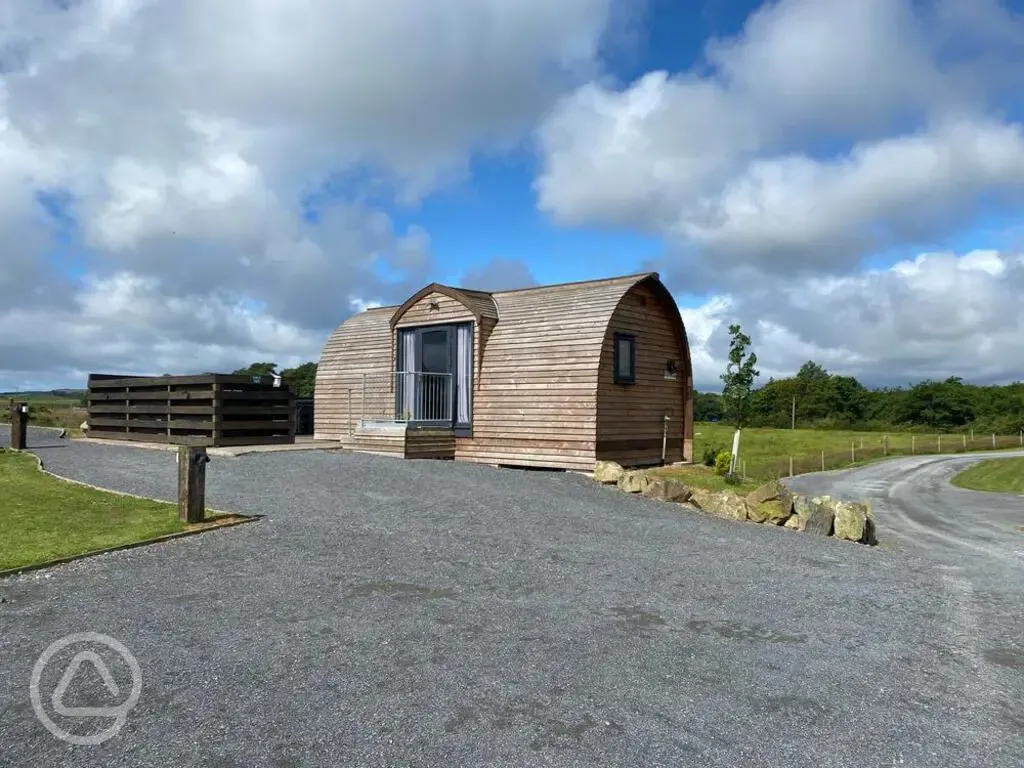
(437, 363)
(434, 393)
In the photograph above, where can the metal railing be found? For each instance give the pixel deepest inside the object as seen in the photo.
(406, 396)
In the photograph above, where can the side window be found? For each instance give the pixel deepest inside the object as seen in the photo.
(625, 358)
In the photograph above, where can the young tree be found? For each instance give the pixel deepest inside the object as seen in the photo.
(739, 378)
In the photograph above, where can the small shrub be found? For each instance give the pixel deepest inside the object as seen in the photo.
(731, 478)
(722, 461)
(710, 454)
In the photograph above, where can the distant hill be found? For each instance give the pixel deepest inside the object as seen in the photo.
(69, 393)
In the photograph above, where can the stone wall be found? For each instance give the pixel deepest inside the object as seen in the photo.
(771, 504)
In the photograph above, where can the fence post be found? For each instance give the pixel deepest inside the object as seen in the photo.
(965, 441)
(822, 461)
(993, 439)
(19, 426)
(1022, 437)
(940, 443)
(362, 408)
(192, 483)
(744, 470)
(972, 435)
(790, 466)
(853, 453)
(912, 449)
(885, 445)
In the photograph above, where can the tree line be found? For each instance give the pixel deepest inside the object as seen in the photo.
(826, 400)
(301, 380)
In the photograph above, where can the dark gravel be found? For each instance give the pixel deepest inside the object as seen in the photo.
(389, 612)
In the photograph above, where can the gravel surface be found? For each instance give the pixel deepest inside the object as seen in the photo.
(390, 612)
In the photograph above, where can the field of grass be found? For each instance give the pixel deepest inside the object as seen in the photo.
(43, 518)
(698, 476)
(999, 475)
(47, 410)
(766, 453)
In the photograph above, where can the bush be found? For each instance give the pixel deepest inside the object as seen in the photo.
(722, 461)
(710, 454)
(731, 478)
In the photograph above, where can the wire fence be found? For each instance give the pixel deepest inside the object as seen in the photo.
(862, 450)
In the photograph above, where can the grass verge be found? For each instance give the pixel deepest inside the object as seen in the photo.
(766, 453)
(698, 476)
(994, 475)
(44, 518)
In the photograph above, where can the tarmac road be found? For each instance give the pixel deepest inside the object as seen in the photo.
(417, 613)
(920, 511)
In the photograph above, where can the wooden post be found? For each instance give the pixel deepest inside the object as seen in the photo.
(940, 444)
(1022, 437)
(993, 439)
(965, 441)
(192, 483)
(885, 445)
(362, 414)
(822, 461)
(912, 448)
(972, 435)
(853, 453)
(790, 466)
(19, 426)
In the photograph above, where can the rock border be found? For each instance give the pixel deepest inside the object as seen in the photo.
(770, 504)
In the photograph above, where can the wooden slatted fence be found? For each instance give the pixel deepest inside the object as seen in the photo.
(205, 410)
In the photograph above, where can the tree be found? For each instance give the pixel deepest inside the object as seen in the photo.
(301, 380)
(257, 369)
(739, 378)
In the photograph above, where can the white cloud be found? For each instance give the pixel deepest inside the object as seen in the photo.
(825, 130)
(187, 134)
(938, 315)
(824, 133)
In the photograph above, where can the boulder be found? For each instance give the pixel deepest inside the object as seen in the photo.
(767, 492)
(816, 515)
(850, 520)
(607, 471)
(720, 504)
(793, 523)
(633, 481)
(770, 512)
(854, 522)
(667, 489)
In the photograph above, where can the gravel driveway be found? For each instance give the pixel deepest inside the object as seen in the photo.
(400, 613)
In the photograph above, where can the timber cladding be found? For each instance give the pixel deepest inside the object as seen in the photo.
(207, 410)
(544, 390)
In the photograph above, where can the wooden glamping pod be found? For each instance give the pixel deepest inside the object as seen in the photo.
(553, 376)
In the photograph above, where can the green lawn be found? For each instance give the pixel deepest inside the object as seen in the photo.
(697, 476)
(47, 411)
(1001, 475)
(766, 452)
(43, 518)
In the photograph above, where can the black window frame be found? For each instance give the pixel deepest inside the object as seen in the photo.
(631, 378)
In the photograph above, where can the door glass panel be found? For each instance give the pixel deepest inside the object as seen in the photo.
(435, 352)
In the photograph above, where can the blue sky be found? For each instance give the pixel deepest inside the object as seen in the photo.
(187, 188)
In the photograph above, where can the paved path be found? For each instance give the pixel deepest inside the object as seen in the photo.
(392, 613)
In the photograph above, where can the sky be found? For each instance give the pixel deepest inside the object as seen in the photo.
(191, 186)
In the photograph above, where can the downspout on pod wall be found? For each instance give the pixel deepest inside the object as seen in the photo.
(664, 436)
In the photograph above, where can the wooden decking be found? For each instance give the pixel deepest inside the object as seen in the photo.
(402, 442)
